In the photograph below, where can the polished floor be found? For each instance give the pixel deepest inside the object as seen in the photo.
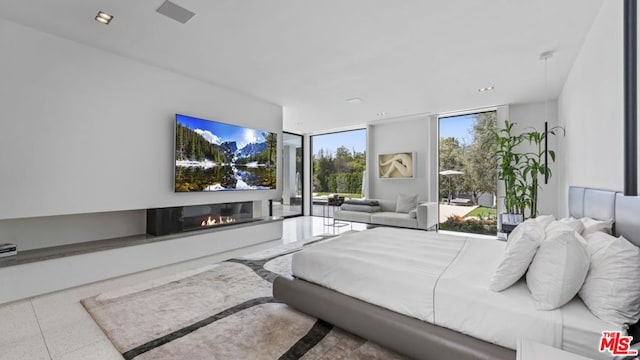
(56, 327)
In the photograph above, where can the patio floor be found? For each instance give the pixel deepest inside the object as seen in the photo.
(448, 210)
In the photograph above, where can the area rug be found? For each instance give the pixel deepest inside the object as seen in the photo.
(223, 311)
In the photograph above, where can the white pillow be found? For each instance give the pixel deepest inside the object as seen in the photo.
(559, 226)
(593, 225)
(521, 247)
(558, 269)
(612, 290)
(406, 203)
(574, 223)
(545, 220)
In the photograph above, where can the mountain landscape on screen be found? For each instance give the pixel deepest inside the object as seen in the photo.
(213, 156)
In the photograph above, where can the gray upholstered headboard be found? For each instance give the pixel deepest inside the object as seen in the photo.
(604, 205)
(628, 217)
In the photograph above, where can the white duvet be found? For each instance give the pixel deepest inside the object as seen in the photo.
(444, 280)
(378, 267)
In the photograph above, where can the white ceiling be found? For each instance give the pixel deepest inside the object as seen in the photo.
(401, 57)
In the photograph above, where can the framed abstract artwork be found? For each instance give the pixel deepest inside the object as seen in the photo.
(397, 165)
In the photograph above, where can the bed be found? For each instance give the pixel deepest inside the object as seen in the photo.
(419, 322)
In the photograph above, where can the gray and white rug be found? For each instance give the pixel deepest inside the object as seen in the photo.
(224, 311)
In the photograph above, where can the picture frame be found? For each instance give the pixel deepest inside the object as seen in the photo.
(400, 165)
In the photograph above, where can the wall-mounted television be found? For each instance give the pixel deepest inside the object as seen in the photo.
(214, 156)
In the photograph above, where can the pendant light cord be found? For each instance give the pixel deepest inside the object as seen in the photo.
(546, 124)
(546, 92)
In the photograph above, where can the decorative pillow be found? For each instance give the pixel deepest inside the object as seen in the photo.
(545, 220)
(521, 247)
(555, 226)
(593, 225)
(596, 241)
(558, 269)
(574, 223)
(612, 290)
(406, 203)
(413, 213)
(360, 208)
(366, 202)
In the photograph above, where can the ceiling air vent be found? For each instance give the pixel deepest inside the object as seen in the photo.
(175, 12)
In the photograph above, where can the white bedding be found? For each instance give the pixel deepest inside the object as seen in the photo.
(444, 279)
(492, 316)
(406, 270)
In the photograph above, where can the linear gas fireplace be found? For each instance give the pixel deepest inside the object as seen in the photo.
(172, 220)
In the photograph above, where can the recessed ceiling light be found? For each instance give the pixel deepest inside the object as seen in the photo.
(382, 113)
(355, 100)
(103, 17)
(486, 88)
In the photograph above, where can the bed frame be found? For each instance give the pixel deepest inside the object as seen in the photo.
(422, 340)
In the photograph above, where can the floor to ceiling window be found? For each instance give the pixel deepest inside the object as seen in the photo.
(467, 173)
(291, 202)
(338, 166)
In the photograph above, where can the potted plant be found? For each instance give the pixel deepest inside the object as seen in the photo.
(509, 166)
(534, 165)
(520, 171)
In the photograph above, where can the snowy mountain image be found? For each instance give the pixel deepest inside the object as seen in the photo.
(213, 156)
(250, 150)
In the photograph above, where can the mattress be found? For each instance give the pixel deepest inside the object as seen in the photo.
(393, 268)
(444, 279)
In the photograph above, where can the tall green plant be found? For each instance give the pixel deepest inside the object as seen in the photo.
(509, 165)
(520, 171)
(535, 167)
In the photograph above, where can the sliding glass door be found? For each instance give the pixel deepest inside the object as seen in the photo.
(467, 173)
(338, 162)
(292, 152)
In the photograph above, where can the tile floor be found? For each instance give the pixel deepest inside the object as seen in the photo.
(56, 327)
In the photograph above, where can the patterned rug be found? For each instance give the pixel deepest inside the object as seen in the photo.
(223, 311)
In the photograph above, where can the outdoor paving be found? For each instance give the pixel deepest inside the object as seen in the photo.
(460, 210)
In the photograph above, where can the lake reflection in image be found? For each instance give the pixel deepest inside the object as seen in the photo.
(225, 177)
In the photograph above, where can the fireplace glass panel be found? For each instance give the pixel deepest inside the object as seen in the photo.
(173, 220)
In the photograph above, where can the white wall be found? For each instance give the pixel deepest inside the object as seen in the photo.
(86, 131)
(46, 231)
(31, 279)
(590, 106)
(87, 137)
(411, 135)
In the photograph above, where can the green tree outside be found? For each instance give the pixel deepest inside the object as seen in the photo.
(339, 173)
(476, 160)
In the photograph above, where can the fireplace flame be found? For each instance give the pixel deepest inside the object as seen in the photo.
(211, 221)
